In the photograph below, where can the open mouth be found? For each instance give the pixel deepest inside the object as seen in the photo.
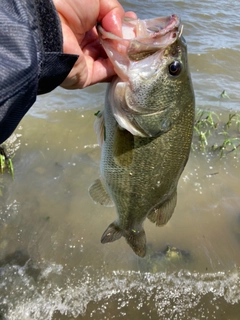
(144, 30)
(146, 36)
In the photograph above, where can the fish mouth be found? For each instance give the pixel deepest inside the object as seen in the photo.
(144, 29)
(137, 56)
(141, 37)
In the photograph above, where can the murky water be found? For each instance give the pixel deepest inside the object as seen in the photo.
(52, 264)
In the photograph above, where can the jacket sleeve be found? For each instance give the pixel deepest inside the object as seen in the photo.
(32, 61)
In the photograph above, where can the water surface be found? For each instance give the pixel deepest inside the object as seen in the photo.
(52, 264)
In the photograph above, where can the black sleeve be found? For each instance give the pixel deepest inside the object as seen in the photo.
(32, 61)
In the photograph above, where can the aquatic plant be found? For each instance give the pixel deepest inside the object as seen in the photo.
(8, 150)
(5, 162)
(214, 133)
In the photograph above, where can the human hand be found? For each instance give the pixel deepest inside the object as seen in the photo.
(78, 20)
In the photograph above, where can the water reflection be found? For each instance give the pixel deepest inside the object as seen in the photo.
(52, 264)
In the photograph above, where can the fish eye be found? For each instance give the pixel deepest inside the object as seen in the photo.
(175, 68)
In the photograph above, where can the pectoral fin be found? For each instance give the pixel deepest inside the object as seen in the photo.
(123, 147)
(99, 195)
(162, 212)
(99, 127)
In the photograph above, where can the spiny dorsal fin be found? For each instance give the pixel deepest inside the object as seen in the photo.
(161, 213)
(99, 195)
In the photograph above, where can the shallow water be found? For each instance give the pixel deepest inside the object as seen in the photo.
(52, 264)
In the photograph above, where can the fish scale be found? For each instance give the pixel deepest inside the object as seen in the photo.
(146, 144)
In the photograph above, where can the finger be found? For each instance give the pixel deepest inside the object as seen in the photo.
(94, 50)
(110, 15)
(76, 79)
(130, 14)
(97, 71)
(102, 71)
(89, 37)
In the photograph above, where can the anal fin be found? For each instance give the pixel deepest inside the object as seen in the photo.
(112, 233)
(162, 212)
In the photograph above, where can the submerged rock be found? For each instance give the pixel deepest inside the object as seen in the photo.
(166, 258)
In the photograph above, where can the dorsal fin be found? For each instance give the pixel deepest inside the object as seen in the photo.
(99, 195)
(162, 212)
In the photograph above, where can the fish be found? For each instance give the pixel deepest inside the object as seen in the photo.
(145, 129)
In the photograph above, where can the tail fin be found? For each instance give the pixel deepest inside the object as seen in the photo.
(137, 241)
(135, 238)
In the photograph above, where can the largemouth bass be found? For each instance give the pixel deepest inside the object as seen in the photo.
(145, 129)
